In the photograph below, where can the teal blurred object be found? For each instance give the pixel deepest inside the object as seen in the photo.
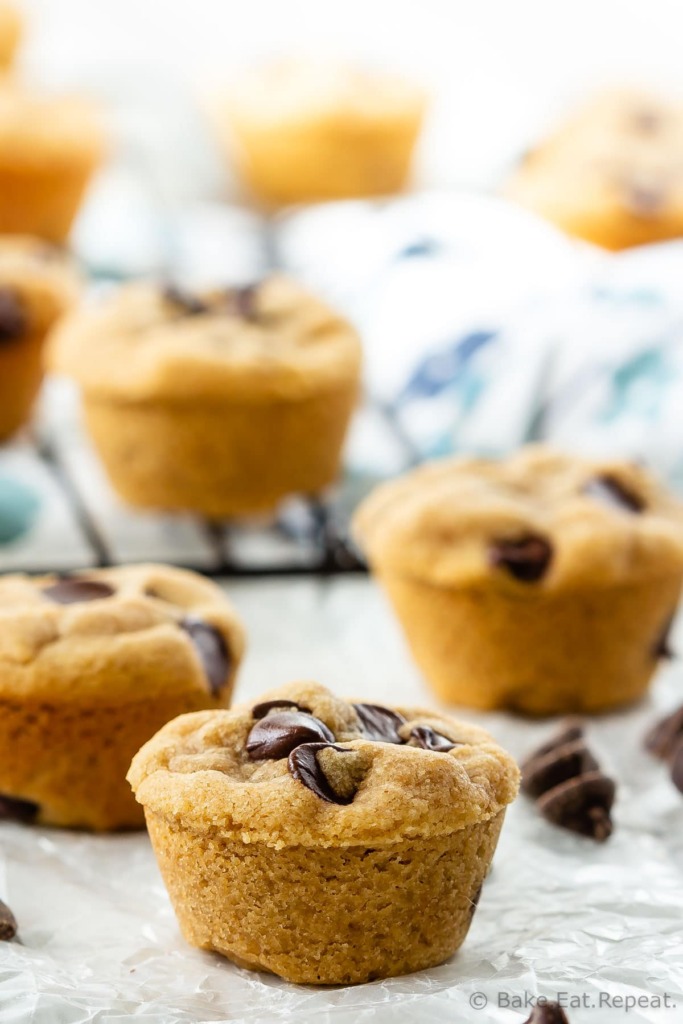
(19, 506)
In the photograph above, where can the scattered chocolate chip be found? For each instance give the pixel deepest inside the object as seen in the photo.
(547, 1013)
(190, 304)
(610, 491)
(677, 767)
(261, 710)
(663, 739)
(8, 923)
(566, 762)
(14, 809)
(303, 765)
(428, 739)
(379, 723)
(212, 650)
(646, 121)
(565, 779)
(13, 320)
(276, 735)
(527, 559)
(74, 590)
(662, 649)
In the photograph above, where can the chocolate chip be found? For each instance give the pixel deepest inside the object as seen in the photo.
(13, 319)
(14, 809)
(610, 491)
(581, 805)
(428, 739)
(565, 779)
(74, 590)
(212, 650)
(663, 739)
(645, 199)
(303, 765)
(185, 301)
(276, 735)
(261, 710)
(527, 559)
(379, 723)
(566, 762)
(8, 923)
(646, 121)
(677, 767)
(244, 301)
(547, 1013)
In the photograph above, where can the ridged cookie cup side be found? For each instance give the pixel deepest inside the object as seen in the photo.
(309, 859)
(221, 459)
(543, 583)
(585, 651)
(93, 665)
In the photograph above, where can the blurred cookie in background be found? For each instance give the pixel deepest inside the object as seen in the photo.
(38, 282)
(221, 403)
(307, 131)
(612, 174)
(50, 147)
(10, 34)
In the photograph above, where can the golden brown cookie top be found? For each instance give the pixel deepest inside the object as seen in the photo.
(302, 91)
(99, 636)
(36, 127)
(538, 520)
(621, 152)
(269, 340)
(301, 766)
(38, 283)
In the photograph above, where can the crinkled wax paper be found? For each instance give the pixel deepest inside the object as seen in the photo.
(558, 914)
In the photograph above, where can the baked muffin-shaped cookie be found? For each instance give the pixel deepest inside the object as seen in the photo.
(10, 34)
(49, 149)
(328, 842)
(543, 583)
(221, 403)
(37, 285)
(91, 665)
(613, 174)
(305, 131)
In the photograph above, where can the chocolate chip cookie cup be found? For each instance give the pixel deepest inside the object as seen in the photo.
(37, 285)
(327, 842)
(221, 403)
(91, 666)
(543, 583)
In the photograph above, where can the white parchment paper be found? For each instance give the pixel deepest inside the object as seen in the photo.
(558, 914)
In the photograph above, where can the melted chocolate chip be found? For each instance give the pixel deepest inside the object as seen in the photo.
(13, 320)
(74, 590)
(212, 650)
(610, 491)
(303, 765)
(244, 301)
(527, 559)
(582, 805)
(8, 923)
(189, 304)
(277, 735)
(547, 1013)
(13, 809)
(261, 710)
(663, 739)
(379, 723)
(428, 739)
